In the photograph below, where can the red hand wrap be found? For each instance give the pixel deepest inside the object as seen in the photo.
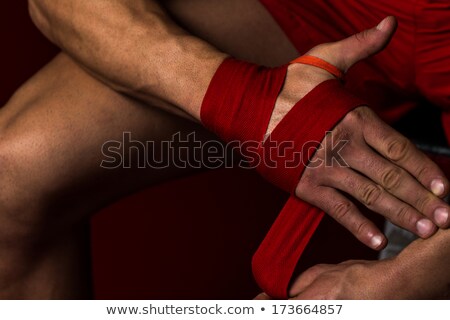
(238, 106)
(319, 63)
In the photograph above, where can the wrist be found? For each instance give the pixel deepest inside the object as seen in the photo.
(190, 66)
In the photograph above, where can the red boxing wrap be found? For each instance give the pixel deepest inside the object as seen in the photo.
(238, 105)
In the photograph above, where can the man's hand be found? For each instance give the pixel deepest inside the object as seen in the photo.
(361, 280)
(381, 169)
(420, 271)
(351, 280)
(365, 158)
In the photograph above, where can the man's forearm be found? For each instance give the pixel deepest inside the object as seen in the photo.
(161, 60)
(425, 265)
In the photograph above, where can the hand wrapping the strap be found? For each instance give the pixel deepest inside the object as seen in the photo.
(376, 165)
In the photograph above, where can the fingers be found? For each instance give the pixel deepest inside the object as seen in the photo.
(399, 150)
(366, 43)
(400, 184)
(347, 214)
(345, 53)
(377, 199)
(381, 169)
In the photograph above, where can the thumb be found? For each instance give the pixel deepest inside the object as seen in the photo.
(345, 53)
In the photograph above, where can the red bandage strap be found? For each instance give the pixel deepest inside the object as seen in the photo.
(319, 63)
(305, 125)
(240, 100)
(238, 106)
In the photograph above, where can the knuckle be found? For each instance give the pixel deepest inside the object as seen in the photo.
(370, 194)
(351, 183)
(308, 187)
(338, 133)
(342, 210)
(391, 178)
(362, 36)
(358, 115)
(402, 213)
(364, 112)
(397, 149)
(367, 44)
(310, 178)
(317, 269)
(422, 203)
(423, 172)
(405, 217)
(301, 190)
(354, 116)
(362, 228)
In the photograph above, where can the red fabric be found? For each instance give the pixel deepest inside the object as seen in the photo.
(305, 125)
(240, 99)
(414, 67)
(238, 106)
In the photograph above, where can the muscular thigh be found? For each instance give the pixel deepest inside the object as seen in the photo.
(52, 135)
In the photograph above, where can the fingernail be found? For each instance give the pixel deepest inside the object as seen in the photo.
(437, 187)
(381, 25)
(376, 241)
(441, 216)
(424, 227)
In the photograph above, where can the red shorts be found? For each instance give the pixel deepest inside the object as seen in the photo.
(415, 66)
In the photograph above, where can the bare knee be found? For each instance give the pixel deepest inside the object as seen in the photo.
(24, 219)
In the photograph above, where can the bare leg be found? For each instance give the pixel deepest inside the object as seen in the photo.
(52, 131)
